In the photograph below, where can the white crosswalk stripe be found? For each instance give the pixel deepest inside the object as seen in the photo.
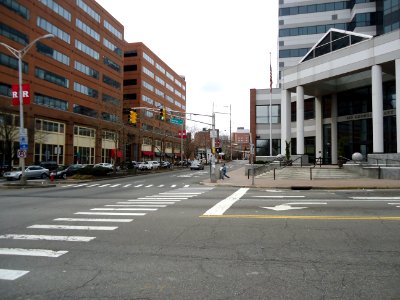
(93, 220)
(47, 237)
(124, 209)
(67, 227)
(6, 274)
(108, 213)
(31, 252)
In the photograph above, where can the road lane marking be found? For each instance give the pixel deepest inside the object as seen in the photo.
(343, 218)
(134, 205)
(139, 185)
(127, 185)
(6, 274)
(186, 185)
(149, 185)
(162, 198)
(150, 202)
(108, 214)
(92, 185)
(278, 196)
(183, 193)
(124, 209)
(225, 204)
(93, 220)
(104, 185)
(47, 237)
(31, 252)
(67, 227)
(377, 198)
(115, 185)
(174, 185)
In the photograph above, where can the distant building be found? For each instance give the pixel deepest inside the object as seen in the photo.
(151, 83)
(240, 143)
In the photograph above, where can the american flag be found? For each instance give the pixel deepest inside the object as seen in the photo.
(270, 76)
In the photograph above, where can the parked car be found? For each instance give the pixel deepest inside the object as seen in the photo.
(144, 165)
(51, 165)
(165, 164)
(107, 166)
(65, 171)
(30, 172)
(135, 164)
(154, 164)
(196, 165)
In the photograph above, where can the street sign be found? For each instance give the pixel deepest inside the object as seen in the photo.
(21, 153)
(176, 121)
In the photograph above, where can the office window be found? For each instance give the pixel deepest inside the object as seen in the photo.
(51, 102)
(112, 47)
(131, 53)
(12, 62)
(15, 7)
(44, 24)
(148, 86)
(112, 29)
(58, 9)
(148, 72)
(51, 77)
(86, 70)
(131, 96)
(13, 34)
(110, 99)
(148, 58)
(87, 9)
(109, 117)
(87, 29)
(54, 54)
(80, 88)
(86, 111)
(5, 90)
(111, 82)
(147, 99)
(160, 81)
(86, 49)
(108, 62)
(262, 114)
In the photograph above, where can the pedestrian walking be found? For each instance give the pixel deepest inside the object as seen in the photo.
(224, 172)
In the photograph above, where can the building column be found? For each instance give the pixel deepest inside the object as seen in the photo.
(334, 133)
(300, 120)
(285, 120)
(318, 127)
(398, 103)
(377, 109)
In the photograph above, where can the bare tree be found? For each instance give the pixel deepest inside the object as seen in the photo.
(8, 134)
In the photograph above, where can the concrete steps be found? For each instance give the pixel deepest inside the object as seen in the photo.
(304, 173)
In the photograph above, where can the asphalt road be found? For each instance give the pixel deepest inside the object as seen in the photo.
(165, 236)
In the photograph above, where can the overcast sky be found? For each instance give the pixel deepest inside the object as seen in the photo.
(221, 47)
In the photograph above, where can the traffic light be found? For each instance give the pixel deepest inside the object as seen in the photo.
(163, 114)
(132, 117)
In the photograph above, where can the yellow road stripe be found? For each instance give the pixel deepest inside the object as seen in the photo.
(361, 218)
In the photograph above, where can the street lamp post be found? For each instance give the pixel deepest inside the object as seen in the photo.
(19, 54)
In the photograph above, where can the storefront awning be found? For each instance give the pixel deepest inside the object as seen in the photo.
(147, 153)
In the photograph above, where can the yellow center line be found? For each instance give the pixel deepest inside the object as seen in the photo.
(360, 218)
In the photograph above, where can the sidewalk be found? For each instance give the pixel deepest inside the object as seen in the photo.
(239, 179)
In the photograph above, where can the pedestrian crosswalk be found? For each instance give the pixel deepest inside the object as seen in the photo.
(119, 185)
(115, 214)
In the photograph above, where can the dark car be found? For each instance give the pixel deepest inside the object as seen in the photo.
(64, 172)
(51, 165)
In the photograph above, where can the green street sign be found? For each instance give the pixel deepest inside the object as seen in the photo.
(177, 121)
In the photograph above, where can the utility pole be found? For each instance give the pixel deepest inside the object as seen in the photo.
(213, 134)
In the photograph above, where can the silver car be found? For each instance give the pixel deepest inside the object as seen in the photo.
(30, 172)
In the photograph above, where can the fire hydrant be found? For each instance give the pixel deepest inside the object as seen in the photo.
(52, 176)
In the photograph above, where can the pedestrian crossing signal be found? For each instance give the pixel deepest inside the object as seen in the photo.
(132, 117)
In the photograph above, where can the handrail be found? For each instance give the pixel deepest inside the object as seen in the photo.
(377, 159)
(390, 159)
(301, 163)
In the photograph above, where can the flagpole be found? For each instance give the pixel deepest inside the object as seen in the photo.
(270, 106)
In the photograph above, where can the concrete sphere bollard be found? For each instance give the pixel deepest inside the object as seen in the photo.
(357, 156)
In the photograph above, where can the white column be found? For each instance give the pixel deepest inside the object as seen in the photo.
(318, 127)
(285, 119)
(300, 120)
(334, 135)
(377, 109)
(398, 104)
